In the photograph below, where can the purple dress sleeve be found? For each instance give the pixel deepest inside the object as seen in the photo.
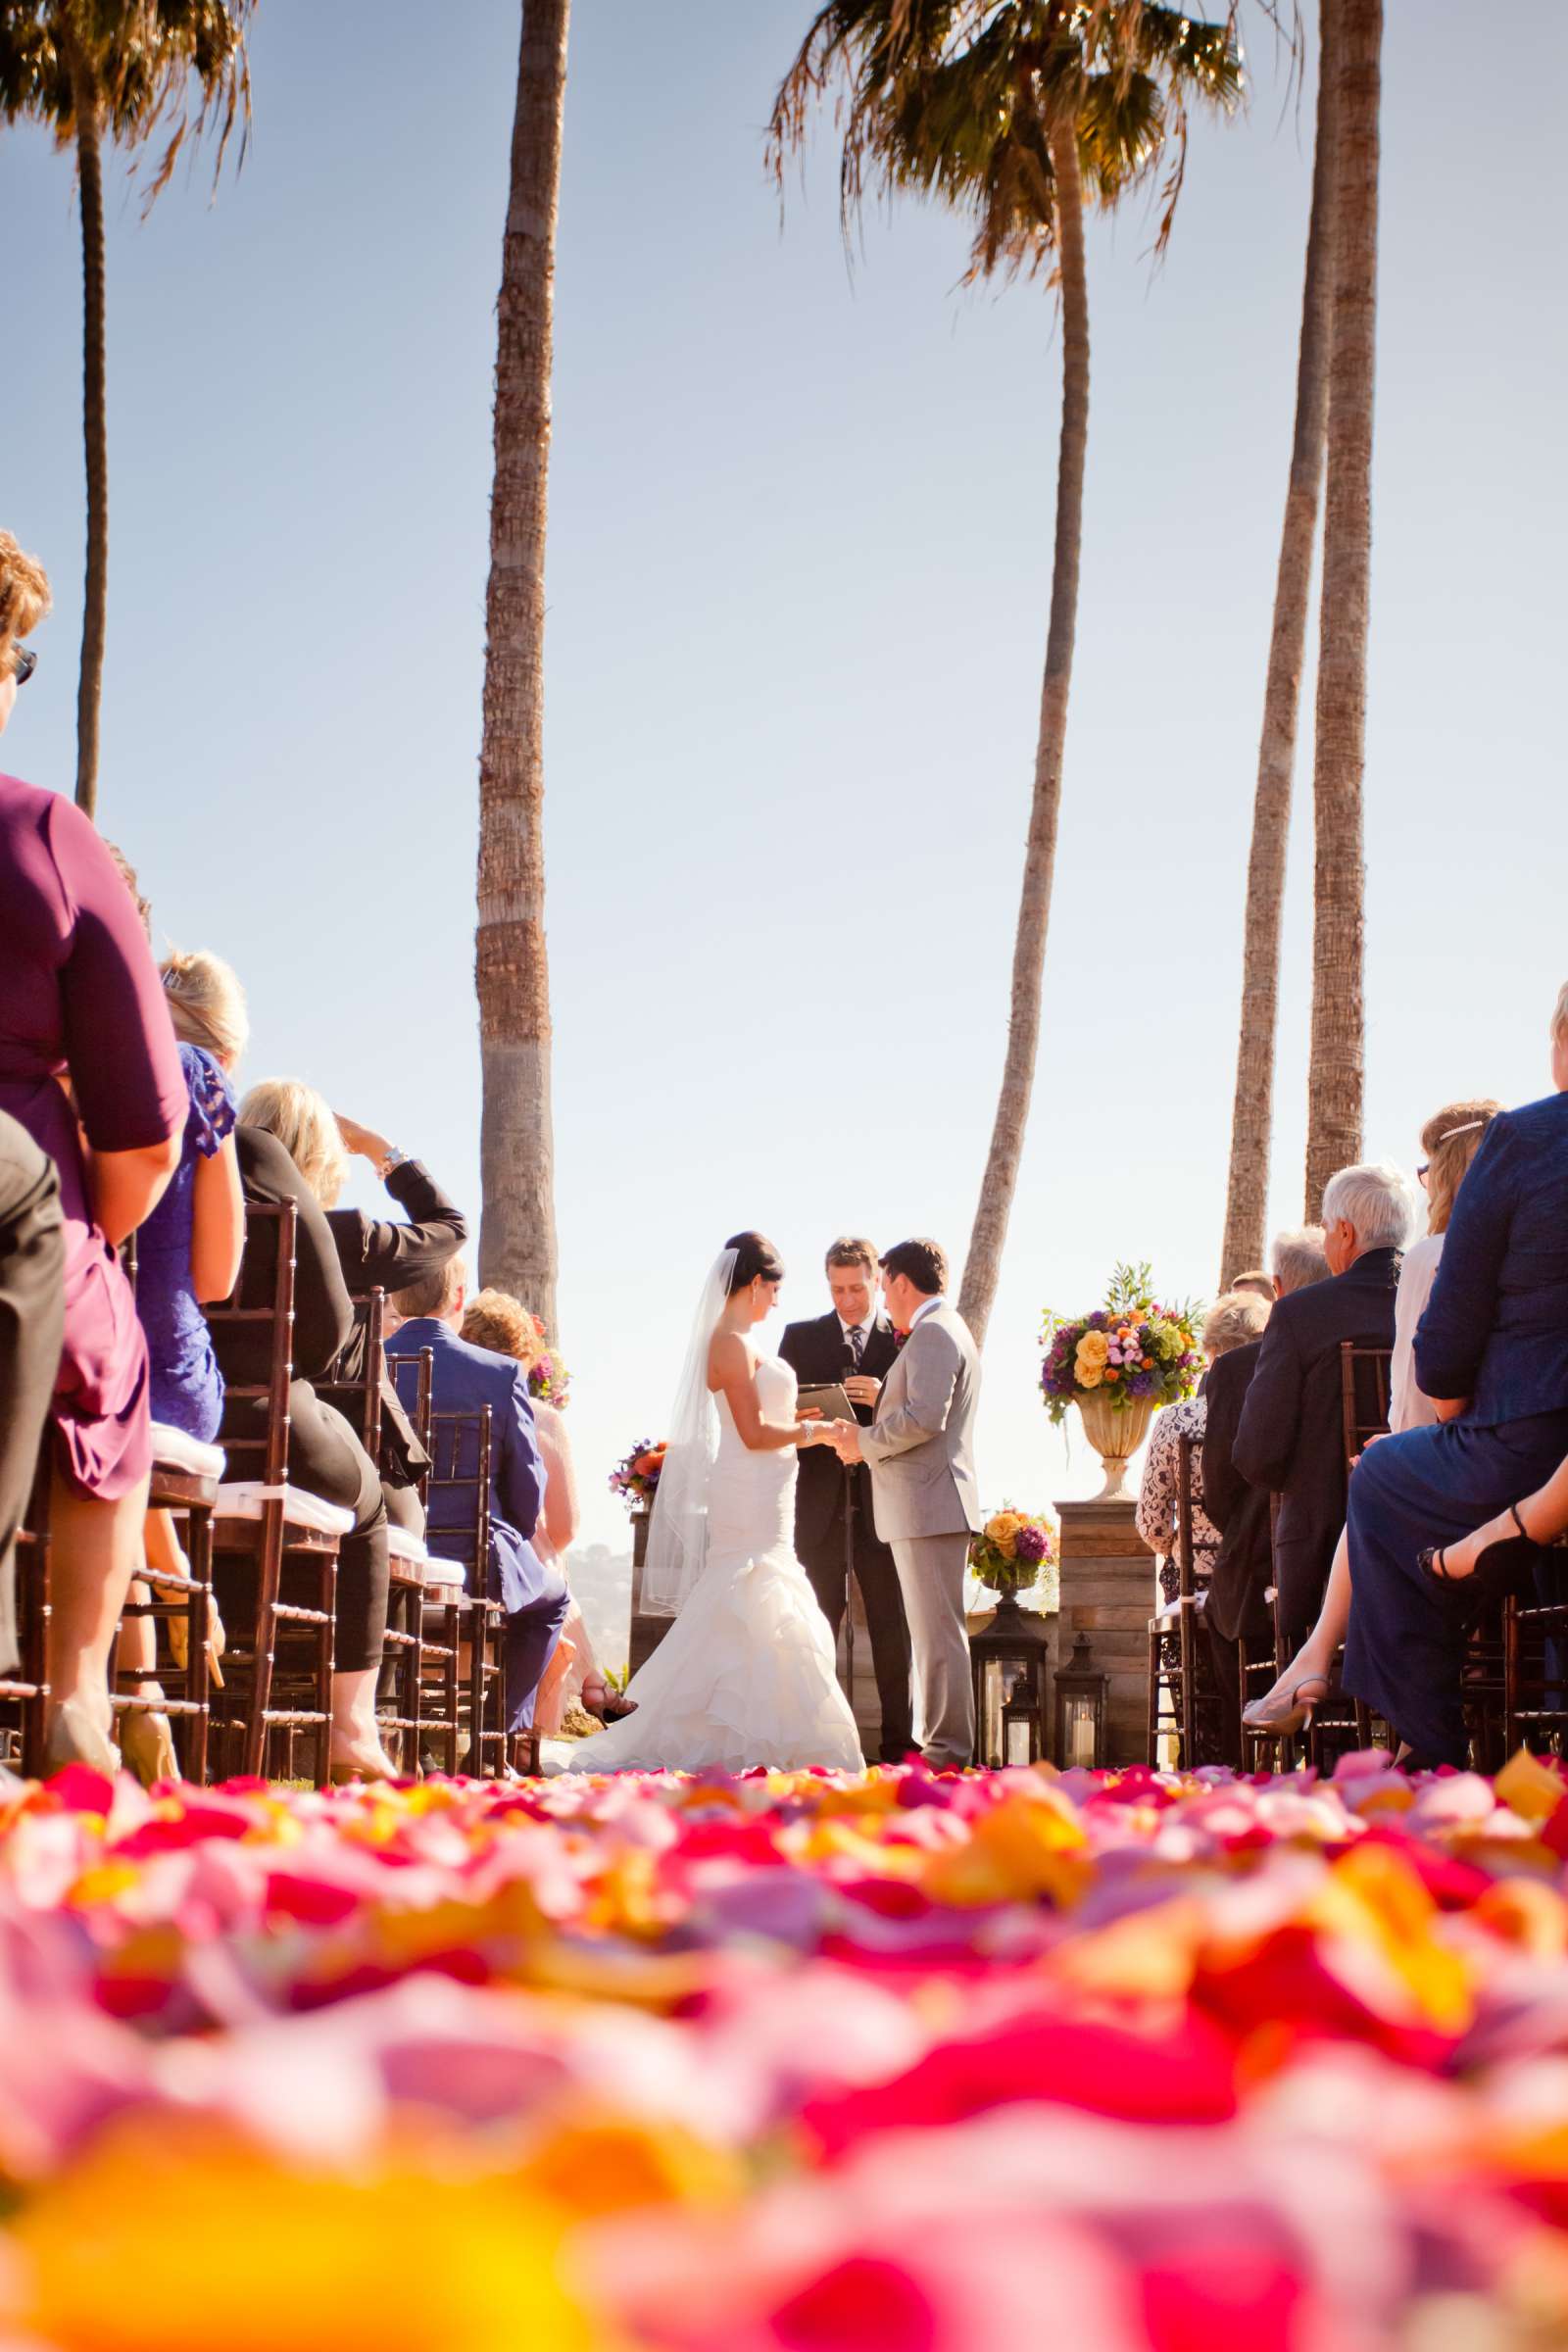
(118, 1041)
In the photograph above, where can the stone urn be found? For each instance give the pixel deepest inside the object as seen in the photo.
(1115, 1437)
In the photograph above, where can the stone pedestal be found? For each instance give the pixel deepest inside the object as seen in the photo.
(647, 1632)
(1108, 1592)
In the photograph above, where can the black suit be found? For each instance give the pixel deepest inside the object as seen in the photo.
(1290, 1437)
(818, 1353)
(1235, 1610)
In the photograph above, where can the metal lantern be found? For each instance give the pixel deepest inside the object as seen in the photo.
(1008, 1654)
(1081, 1691)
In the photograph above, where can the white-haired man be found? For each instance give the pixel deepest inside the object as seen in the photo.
(1289, 1438)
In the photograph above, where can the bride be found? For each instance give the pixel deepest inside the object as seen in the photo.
(744, 1676)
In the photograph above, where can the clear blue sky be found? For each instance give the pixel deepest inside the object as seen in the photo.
(799, 548)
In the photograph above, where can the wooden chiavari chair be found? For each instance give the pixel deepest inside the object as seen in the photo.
(1174, 1681)
(268, 1696)
(25, 1695)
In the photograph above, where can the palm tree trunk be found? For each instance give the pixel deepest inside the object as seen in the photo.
(1355, 32)
(95, 430)
(983, 1264)
(517, 1146)
(1246, 1192)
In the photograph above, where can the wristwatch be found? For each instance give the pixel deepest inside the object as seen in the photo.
(396, 1157)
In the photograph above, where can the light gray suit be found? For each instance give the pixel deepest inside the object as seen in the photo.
(927, 1503)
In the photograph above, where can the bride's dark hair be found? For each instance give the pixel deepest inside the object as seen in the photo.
(755, 1256)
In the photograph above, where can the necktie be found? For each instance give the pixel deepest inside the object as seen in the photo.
(857, 1345)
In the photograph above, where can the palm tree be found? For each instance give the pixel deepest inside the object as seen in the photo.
(1016, 116)
(1246, 1192)
(88, 69)
(1353, 33)
(517, 1146)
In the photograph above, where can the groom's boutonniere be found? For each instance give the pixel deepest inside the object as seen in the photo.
(899, 1338)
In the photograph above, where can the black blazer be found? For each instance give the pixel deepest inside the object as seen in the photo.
(1291, 1436)
(323, 1315)
(1240, 1571)
(818, 1352)
(376, 1251)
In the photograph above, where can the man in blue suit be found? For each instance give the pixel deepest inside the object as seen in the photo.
(1492, 1352)
(531, 1590)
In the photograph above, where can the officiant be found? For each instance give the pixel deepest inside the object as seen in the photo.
(852, 1345)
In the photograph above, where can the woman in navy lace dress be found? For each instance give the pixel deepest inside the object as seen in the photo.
(188, 1254)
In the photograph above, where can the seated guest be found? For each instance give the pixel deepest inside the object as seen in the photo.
(465, 1379)
(1492, 1352)
(374, 1253)
(1290, 1437)
(1260, 1281)
(81, 1007)
(325, 1456)
(494, 1319)
(1450, 1140)
(187, 1256)
(1234, 1319)
(1236, 1610)
(33, 1315)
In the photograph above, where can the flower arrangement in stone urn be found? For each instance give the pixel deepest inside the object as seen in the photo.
(1014, 1550)
(636, 1477)
(1118, 1365)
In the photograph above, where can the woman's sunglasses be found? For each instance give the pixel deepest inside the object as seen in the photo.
(23, 664)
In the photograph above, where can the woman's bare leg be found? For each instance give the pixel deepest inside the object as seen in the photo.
(1545, 1513)
(1314, 1660)
(94, 1551)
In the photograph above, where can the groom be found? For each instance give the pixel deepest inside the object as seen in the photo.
(923, 1488)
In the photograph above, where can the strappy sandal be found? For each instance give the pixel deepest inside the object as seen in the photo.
(1433, 1562)
(1291, 1712)
(611, 1707)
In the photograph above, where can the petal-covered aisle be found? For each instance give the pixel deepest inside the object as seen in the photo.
(786, 2063)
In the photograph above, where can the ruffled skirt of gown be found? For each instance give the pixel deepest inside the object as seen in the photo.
(746, 1674)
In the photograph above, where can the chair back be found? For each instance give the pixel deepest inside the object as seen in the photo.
(265, 1456)
(359, 1401)
(1365, 1380)
(413, 1377)
(458, 1500)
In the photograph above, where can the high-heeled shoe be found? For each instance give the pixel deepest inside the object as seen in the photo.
(1433, 1562)
(1280, 1713)
(79, 1734)
(147, 1748)
(217, 1642)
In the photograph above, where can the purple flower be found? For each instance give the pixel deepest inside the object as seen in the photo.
(1030, 1546)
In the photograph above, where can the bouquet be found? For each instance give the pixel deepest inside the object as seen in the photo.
(548, 1379)
(1014, 1550)
(1129, 1350)
(637, 1477)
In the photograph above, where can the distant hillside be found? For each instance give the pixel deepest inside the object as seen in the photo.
(601, 1584)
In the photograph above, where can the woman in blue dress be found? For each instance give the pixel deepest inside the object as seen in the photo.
(1492, 1351)
(187, 1256)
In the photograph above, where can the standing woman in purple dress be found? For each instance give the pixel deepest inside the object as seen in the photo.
(83, 1007)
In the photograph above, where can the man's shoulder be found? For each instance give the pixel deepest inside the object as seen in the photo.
(1235, 1368)
(1542, 1122)
(809, 1327)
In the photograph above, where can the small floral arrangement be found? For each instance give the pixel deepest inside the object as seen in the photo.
(548, 1379)
(1130, 1349)
(637, 1477)
(1014, 1550)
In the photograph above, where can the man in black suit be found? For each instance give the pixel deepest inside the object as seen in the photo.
(854, 1345)
(1290, 1437)
(1235, 1610)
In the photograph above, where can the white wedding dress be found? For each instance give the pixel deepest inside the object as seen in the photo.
(745, 1675)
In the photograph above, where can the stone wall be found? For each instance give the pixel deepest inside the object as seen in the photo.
(1109, 1593)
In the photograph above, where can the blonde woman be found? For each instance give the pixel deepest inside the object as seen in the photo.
(187, 1256)
(496, 1320)
(373, 1253)
(1450, 1142)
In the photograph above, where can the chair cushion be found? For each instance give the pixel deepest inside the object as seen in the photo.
(407, 1549)
(444, 1572)
(176, 1451)
(243, 1498)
